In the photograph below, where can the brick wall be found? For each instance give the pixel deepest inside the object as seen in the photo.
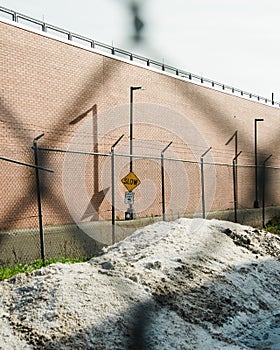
(47, 84)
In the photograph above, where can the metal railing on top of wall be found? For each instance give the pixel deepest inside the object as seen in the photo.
(79, 39)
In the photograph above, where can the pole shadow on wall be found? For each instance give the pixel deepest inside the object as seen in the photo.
(98, 195)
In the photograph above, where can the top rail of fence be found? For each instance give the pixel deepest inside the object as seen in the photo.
(76, 38)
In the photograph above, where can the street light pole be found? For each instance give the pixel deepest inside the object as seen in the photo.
(130, 213)
(132, 88)
(256, 202)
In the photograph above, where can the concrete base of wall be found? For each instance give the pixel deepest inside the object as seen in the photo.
(87, 240)
(250, 217)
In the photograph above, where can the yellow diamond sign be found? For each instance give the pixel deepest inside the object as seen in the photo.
(130, 181)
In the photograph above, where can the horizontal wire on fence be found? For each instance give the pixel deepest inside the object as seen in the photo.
(180, 148)
(74, 152)
(26, 164)
(192, 161)
(156, 158)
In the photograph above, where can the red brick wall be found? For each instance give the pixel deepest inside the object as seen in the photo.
(46, 84)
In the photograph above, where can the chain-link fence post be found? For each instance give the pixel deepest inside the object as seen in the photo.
(162, 180)
(38, 191)
(235, 192)
(202, 182)
(234, 165)
(256, 201)
(264, 189)
(113, 187)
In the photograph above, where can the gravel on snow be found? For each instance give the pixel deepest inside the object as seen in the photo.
(187, 284)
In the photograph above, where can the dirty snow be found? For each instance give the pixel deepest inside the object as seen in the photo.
(188, 284)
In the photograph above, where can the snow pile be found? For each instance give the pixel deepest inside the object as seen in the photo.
(188, 284)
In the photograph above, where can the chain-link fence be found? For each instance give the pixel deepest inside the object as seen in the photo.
(20, 238)
(85, 201)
